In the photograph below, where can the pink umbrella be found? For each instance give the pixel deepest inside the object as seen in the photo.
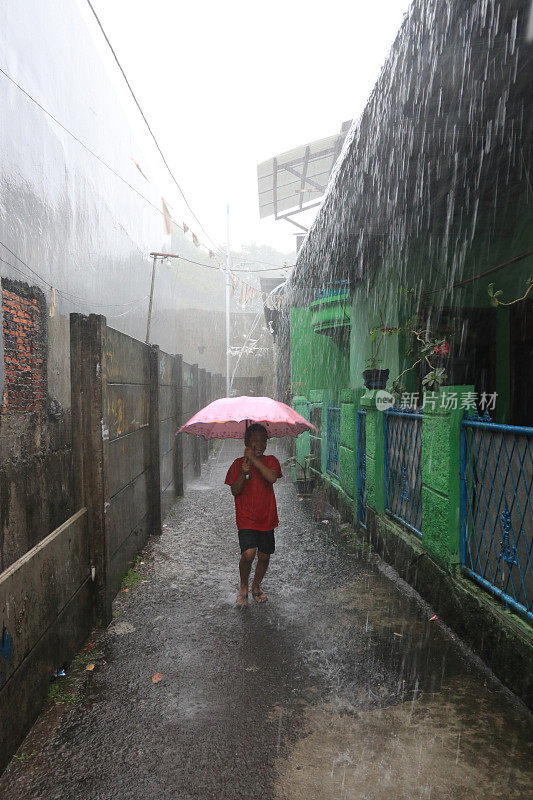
(229, 417)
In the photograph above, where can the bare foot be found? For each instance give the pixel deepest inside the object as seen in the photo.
(258, 595)
(242, 599)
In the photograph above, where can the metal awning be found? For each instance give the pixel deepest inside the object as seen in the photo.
(294, 181)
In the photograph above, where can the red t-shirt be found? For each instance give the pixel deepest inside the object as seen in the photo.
(255, 506)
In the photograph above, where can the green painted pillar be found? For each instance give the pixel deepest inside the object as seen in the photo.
(318, 416)
(375, 488)
(301, 405)
(441, 457)
(348, 444)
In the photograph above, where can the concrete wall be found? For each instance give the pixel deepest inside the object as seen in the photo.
(131, 509)
(84, 227)
(126, 467)
(46, 606)
(190, 404)
(127, 404)
(170, 445)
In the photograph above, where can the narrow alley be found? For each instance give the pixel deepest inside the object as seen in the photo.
(340, 686)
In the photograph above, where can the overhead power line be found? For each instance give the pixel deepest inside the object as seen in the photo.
(250, 271)
(67, 295)
(143, 115)
(95, 155)
(117, 175)
(272, 269)
(86, 147)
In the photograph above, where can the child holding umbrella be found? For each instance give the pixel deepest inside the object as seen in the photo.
(252, 478)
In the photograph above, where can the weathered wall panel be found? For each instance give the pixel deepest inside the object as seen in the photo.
(121, 560)
(46, 602)
(127, 398)
(127, 457)
(167, 435)
(125, 359)
(167, 402)
(128, 408)
(126, 509)
(167, 470)
(189, 392)
(165, 369)
(37, 586)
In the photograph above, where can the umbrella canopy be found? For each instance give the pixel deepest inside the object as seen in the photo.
(229, 417)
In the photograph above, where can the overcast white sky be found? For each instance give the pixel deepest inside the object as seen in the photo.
(226, 85)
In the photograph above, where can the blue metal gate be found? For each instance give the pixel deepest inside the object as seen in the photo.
(497, 510)
(403, 472)
(333, 434)
(361, 467)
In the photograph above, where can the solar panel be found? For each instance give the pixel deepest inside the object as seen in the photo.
(295, 180)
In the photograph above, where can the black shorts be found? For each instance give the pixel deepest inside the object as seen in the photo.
(263, 540)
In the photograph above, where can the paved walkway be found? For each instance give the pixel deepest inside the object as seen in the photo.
(339, 687)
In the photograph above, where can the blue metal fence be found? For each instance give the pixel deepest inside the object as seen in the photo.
(333, 440)
(361, 467)
(403, 473)
(497, 510)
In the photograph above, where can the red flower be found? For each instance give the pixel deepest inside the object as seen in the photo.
(443, 349)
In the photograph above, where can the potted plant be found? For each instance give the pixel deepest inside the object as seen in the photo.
(425, 347)
(301, 473)
(373, 376)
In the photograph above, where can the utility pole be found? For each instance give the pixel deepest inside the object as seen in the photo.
(228, 291)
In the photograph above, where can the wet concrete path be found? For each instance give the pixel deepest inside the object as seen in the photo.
(339, 687)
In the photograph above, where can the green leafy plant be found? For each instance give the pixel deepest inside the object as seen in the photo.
(423, 346)
(377, 336)
(64, 691)
(495, 295)
(131, 579)
(434, 379)
(304, 468)
(23, 758)
(85, 657)
(373, 361)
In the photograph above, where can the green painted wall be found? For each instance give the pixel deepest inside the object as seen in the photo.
(368, 309)
(301, 405)
(326, 373)
(331, 311)
(392, 293)
(317, 361)
(348, 445)
(441, 455)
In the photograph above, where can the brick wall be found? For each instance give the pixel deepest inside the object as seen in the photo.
(24, 339)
